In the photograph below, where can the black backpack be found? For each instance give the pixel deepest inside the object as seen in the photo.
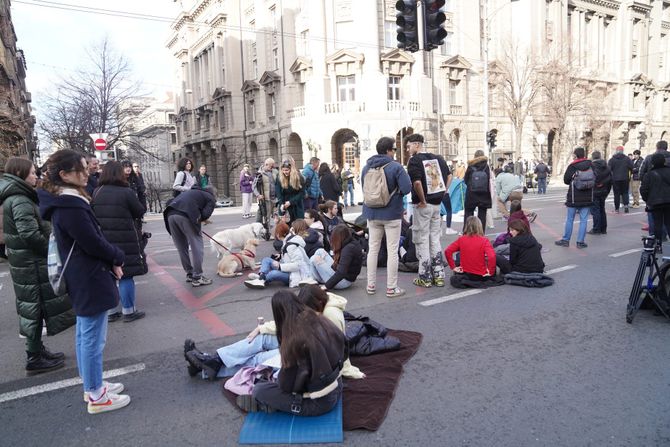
(479, 181)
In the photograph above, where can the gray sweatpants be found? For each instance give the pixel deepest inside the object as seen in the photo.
(185, 235)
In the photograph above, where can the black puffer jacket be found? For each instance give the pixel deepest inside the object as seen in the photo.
(116, 208)
(313, 241)
(27, 241)
(655, 187)
(477, 199)
(603, 178)
(621, 167)
(525, 254)
(351, 262)
(580, 198)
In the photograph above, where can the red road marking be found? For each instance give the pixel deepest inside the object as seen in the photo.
(559, 236)
(211, 321)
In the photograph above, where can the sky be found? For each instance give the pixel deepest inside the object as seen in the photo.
(54, 40)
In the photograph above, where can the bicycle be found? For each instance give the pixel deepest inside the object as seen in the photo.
(658, 281)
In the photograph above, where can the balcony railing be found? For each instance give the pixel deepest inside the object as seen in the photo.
(296, 112)
(343, 107)
(398, 106)
(455, 110)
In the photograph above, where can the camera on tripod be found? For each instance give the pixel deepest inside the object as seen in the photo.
(648, 243)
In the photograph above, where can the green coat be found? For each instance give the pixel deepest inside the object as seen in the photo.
(27, 242)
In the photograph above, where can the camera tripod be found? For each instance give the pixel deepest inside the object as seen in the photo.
(657, 285)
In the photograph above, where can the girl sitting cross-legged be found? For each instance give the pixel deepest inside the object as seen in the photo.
(341, 270)
(524, 253)
(477, 257)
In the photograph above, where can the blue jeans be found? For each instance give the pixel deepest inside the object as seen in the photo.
(350, 190)
(322, 269)
(245, 353)
(127, 294)
(583, 219)
(542, 185)
(271, 274)
(90, 338)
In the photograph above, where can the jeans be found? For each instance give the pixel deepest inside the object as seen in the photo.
(569, 220)
(350, 190)
(321, 266)
(620, 188)
(247, 353)
(272, 274)
(599, 214)
(446, 201)
(246, 203)
(542, 185)
(426, 232)
(184, 235)
(127, 294)
(377, 229)
(90, 338)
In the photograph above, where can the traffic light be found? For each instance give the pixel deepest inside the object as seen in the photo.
(408, 30)
(491, 138)
(433, 30)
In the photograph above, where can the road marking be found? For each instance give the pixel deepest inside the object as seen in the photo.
(19, 394)
(560, 269)
(3, 274)
(624, 253)
(165, 250)
(452, 297)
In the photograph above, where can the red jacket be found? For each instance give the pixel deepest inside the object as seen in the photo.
(475, 252)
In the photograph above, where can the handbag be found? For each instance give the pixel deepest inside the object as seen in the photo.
(55, 267)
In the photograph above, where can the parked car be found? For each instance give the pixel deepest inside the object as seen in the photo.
(224, 202)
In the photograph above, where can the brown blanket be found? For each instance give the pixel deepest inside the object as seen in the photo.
(366, 401)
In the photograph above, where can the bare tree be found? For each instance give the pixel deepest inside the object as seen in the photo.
(92, 100)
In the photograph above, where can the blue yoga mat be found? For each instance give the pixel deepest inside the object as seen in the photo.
(284, 428)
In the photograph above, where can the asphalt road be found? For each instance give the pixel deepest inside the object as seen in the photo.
(506, 366)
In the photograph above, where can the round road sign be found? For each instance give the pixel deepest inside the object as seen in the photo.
(100, 144)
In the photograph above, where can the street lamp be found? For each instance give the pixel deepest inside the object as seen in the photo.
(540, 138)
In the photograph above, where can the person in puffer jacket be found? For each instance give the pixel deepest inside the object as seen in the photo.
(578, 201)
(525, 251)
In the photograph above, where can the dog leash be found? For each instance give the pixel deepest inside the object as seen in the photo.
(217, 242)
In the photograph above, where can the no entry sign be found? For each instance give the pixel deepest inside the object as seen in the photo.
(100, 144)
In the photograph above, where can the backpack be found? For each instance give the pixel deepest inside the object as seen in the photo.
(479, 181)
(584, 180)
(55, 267)
(375, 189)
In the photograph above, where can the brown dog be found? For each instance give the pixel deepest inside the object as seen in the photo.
(232, 264)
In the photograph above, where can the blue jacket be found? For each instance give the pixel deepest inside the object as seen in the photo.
(88, 276)
(396, 177)
(314, 190)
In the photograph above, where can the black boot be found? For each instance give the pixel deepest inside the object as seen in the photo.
(189, 345)
(211, 364)
(51, 355)
(37, 364)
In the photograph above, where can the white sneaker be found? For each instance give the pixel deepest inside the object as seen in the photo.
(307, 281)
(254, 276)
(114, 388)
(108, 402)
(449, 231)
(255, 283)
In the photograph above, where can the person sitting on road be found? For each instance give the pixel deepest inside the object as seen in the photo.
(313, 239)
(477, 257)
(329, 215)
(315, 222)
(342, 269)
(281, 230)
(525, 253)
(501, 243)
(261, 344)
(291, 269)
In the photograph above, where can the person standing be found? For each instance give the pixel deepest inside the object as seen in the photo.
(635, 178)
(27, 238)
(184, 179)
(430, 178)
(136, 184)
(621, 167)
(117, 209)
(202, 177)
(183, 218)
(655, 191)
(661, 147)
(93, 173)
(331, 188)
(385, 219)
(580, 178)
(477, 180)
(264, 190)
(348, 185)
(91, 274)
(290, 189)
(246, 189)
(541, 171)
(312, 184)
(603, 185)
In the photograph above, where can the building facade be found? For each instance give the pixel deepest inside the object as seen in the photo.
(17, 135)
(301, 78)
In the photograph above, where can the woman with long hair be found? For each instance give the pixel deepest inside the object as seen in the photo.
(342, 269)
(27, 240)
(312, 357)
(313, 239)
(116, 207)
(91, 274)
(477, 257)
(316, 226)
(525, 252)
(184, 180)
(290, 191)
(331, 188)
(135, 182)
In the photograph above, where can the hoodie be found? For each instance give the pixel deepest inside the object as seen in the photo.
(621, 166)
(396, 178)
(477, 199)
(603, 178)
(525, 254)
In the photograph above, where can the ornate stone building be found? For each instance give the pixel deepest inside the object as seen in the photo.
(298, 78)
(17, 137)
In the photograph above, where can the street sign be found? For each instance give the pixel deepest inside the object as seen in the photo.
(100, 144)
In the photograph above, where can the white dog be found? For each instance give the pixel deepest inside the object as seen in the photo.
(234, 239)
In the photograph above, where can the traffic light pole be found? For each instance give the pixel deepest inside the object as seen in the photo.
(485, 87)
